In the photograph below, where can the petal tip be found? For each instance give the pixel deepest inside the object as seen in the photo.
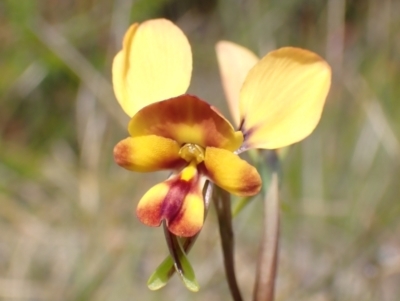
(149, 209)
(185, 230)
(151, 219)
(253, 181)
(121, 154)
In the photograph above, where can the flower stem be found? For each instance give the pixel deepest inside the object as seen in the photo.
(172, 242)
(223, 206)
(264, 289)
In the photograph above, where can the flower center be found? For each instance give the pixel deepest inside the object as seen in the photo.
(192, 152)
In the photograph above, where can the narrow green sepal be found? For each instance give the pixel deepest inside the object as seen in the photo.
(161, 275)
(177, 260)
(165, 271)
(186, 272)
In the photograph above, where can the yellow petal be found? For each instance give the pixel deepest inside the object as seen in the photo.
(231, 173)
(186, 119)
(148, 153)
(282, 98)
(234, 63)
(154, 64)
(178, 201)
(120, 68)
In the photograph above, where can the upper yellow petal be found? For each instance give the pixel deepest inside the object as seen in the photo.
(155, 63)
(234, 63)
(282, 98)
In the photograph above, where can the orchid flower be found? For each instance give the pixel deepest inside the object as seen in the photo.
(279, 103)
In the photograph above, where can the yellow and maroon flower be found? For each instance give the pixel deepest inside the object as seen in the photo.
(280, 103)
(188, 136)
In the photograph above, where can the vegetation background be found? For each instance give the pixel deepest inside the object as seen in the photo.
(67, 224)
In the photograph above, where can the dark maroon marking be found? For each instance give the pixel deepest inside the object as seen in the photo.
(187, 229)
(246, 133)
(175, 164)
(202, 169)
(173, 201)
(241, 126)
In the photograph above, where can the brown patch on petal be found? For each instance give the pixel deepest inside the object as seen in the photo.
(253, 183)
(186, 119)
(121, 154)
(150, 216)
(149, 208)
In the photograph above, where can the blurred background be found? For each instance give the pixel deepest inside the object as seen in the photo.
(67, 224)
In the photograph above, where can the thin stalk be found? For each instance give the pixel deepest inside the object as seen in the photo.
(223, 206)
(264, 289)
(173, 245)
